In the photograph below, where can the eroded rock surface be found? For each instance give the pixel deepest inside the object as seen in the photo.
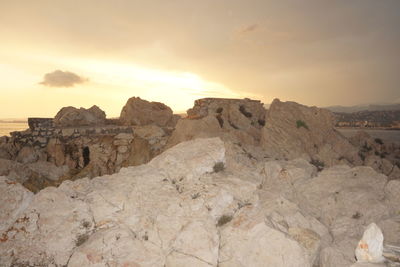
(237, 120)
(194, 206)
(71, 116)
(292, 130)
(141, 112)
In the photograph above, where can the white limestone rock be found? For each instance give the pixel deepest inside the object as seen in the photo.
(370, 247)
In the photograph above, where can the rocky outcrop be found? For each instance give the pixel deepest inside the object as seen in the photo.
(34, 176)
(71, 116)
(190, 206)
(380, 154)
(293, 130)
(141, 112)
(237, 120)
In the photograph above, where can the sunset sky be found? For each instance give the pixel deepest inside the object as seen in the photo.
(85, 52)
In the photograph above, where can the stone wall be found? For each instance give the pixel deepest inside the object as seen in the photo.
(35, 123)
(41, 130)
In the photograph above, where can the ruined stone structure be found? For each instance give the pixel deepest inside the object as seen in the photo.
(41, 130)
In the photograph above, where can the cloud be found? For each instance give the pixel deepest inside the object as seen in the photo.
(247, 29)
(60, 78)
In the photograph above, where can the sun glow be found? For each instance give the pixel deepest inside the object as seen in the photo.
(121, 80)
(110, 84)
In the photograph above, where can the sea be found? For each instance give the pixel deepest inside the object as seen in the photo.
(7, 127)
(392, 136)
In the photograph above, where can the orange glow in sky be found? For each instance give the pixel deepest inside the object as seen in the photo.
(97, 52)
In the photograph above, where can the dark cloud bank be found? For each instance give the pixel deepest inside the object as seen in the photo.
(60, 78)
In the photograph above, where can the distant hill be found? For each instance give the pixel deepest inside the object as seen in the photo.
(373, 107)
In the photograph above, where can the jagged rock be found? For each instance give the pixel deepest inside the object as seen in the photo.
(141, 112)
(380, 154)
(34, 176)
(248, 241)
(293, 130)
(155, 136)
(48, 170)
(70, 116)
(344, 199)
(8, 149)
(55, 150)
(15, 198)
(188, 129)
(236, 120)
(231, 113)
(29, 154)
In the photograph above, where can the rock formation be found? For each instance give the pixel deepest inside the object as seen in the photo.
(73, 117)
(141, 112)
(238, 120)
(293, 130)
(190, 206)
(381, 155)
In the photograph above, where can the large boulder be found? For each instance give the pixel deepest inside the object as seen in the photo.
(71, 116)
(141, 112)
(293, 130)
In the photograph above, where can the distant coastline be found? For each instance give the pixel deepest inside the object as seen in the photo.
(13, 120)
(368, 128)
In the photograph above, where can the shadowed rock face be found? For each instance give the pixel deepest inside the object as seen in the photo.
(292, 130)
(141, 112)
(70, 116)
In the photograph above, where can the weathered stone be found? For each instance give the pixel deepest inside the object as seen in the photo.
(14, 199)
(70, 116)
(124, 136)
(235, 120)
(27, 154)
(141, 112)
(122, 149)
(293, 130)
(67, 132)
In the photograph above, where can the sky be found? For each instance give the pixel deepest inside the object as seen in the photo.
(99, 52)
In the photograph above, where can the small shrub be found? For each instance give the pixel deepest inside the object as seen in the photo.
(378, 141)
(194, 196)
(224, 219)
(366, 148)
(362, 156)
(86, 224)
(261, 122)
(317, 163)
(219, 166)
(301, 123)
(81, 239)
(356, 215)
